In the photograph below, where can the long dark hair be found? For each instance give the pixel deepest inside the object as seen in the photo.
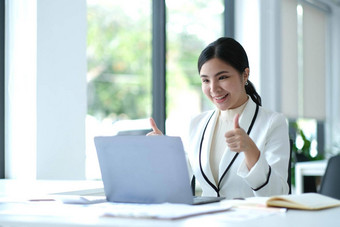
(231, 52)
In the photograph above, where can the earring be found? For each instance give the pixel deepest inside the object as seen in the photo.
(246, 82)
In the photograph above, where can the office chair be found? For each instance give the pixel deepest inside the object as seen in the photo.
(330, 184)
(193, 185)
(137, 132)
(289, 179)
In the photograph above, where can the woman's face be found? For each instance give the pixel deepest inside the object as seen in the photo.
(223, 84)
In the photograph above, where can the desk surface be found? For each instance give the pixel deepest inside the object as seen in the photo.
(80, 215)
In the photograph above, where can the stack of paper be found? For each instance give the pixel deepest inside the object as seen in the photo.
(159, 211)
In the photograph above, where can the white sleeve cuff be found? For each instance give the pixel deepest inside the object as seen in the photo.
(257, 176)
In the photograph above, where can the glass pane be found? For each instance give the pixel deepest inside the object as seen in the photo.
(191, 25)
(119, 70)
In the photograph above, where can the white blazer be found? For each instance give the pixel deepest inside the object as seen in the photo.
(267, 177)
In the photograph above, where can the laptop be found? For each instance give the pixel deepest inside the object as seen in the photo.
(145, 169)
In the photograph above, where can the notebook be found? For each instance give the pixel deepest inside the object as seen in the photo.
(145, 169)
(306, 201)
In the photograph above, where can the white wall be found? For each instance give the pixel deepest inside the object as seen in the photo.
(257, 27)
(61, 89)
(333, 106)
(247, 32)
(20, 89)
(49, 141)
(270, 54)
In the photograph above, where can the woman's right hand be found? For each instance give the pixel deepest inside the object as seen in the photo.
(155, 131)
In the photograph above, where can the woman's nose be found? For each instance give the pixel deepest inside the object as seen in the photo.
(214, 87)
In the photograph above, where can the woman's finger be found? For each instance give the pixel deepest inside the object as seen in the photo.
(155, 130)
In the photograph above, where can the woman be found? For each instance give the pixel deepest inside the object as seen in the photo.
(239, 149)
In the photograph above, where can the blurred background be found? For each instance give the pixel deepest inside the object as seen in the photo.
(78, 69)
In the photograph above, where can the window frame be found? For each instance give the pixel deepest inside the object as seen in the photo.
(2, 88)
(159, 53)
(229, 18)
(158, 65)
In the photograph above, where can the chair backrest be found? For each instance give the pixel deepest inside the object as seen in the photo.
(330, 184)
(289, 179)
(193, 185)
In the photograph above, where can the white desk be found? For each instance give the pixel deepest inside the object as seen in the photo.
(311, 168)
(44, 187)
(82, 215)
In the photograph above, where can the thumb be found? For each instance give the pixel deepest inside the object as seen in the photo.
(236, 118)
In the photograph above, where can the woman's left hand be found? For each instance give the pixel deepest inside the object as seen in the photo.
(155, 131)
(239, 141)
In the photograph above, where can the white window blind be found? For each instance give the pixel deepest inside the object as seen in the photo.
(314, 65)
(303, 60)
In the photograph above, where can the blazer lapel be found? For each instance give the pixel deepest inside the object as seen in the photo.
(244, 121)
(206, 146)
(247, 115)
(225, 161)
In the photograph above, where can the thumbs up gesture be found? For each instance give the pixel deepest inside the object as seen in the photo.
(155, 131)
(237, 138)
(236, 119)
(239, 141)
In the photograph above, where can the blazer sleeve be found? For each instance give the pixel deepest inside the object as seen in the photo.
(269, 175)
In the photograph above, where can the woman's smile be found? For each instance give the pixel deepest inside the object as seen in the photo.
(220, 99)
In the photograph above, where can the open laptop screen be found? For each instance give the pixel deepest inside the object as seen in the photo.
(144, 169)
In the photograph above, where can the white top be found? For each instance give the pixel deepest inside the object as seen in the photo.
(225, 123)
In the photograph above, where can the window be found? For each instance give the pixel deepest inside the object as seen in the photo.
(51, 85)
(191, 26)
(119, 53)
(119, 70)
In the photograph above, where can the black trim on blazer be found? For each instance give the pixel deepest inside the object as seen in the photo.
(217, 189)
(200, 159)
(265, 183)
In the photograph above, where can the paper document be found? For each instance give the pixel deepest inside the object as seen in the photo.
(167, 211)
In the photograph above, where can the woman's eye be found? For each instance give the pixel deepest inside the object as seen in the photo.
(205, 81)
(223, 77)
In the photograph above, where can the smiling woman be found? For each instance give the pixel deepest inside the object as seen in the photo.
(239, 149)
(239, 143)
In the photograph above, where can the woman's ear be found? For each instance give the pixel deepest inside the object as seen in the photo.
(245, 75)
